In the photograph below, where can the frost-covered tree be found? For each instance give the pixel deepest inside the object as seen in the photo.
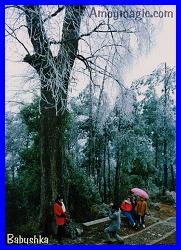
(64, 44)
(158, 110)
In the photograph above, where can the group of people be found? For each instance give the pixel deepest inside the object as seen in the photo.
(134, 208)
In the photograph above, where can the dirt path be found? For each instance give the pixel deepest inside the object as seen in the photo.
(170, 240)
(160, 229)
(162, 232)
(152, 234)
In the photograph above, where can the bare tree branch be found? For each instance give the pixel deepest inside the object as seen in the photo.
(17, 102)
(114, 31)
(14, 30)
(92, 31)
(15, 6)
(55, 13)
(13, 34)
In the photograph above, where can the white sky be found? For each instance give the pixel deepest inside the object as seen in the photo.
(163, 51)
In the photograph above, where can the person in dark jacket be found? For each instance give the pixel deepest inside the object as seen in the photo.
(60, 216)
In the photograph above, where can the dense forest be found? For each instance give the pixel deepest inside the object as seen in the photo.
(92, 146)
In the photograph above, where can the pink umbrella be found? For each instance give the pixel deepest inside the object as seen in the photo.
(140, 192)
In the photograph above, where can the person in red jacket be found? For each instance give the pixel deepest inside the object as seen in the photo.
(60, 216)
(126, 209)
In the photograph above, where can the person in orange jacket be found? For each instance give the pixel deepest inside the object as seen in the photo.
(60, 216)
(141, 209)
(126, 209)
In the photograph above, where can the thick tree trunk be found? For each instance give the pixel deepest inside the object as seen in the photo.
(52, 159)
(52, 70)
